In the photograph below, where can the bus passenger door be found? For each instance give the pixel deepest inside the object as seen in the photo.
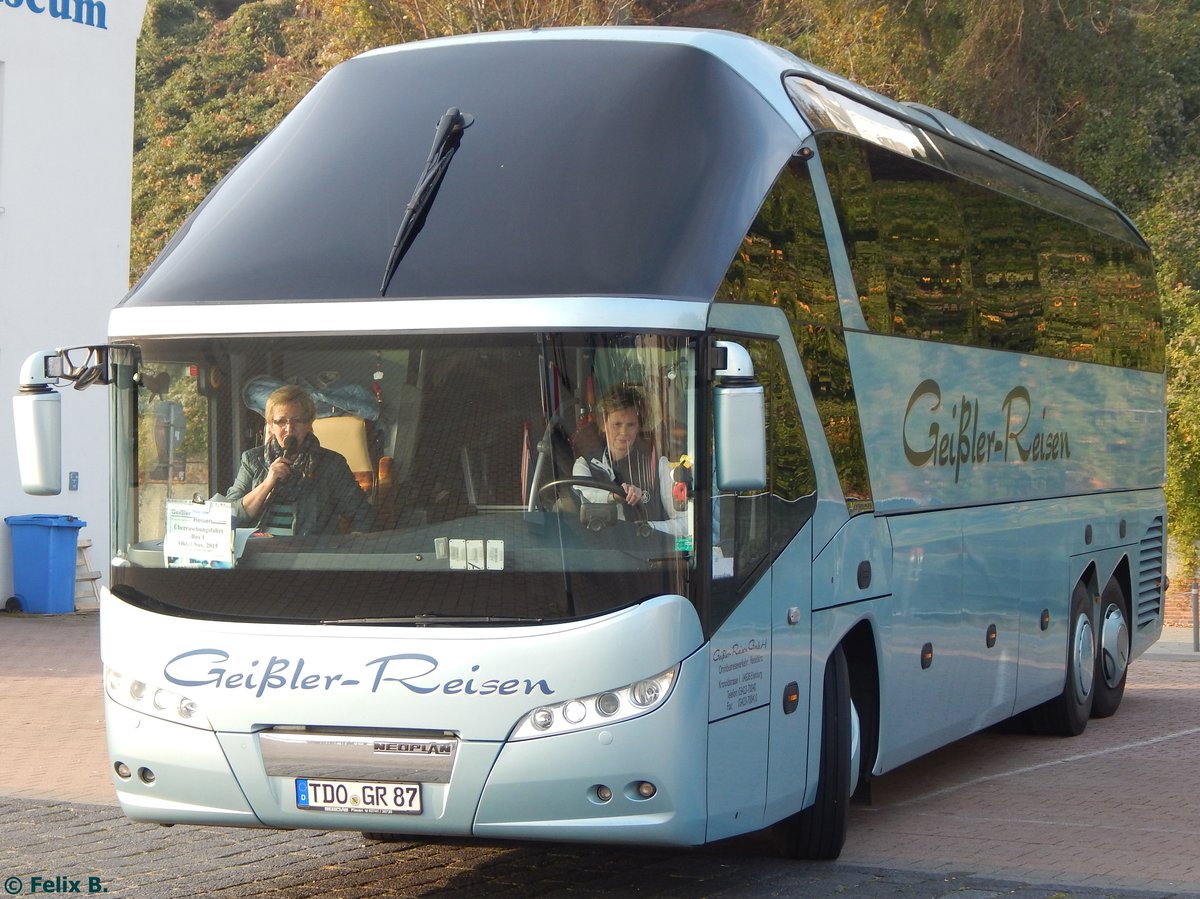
(761, 597)
(791, 671)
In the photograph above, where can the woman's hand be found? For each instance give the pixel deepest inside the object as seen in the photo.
(634, 495)
(280, 471)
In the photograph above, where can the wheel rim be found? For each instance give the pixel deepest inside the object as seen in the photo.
(855, 747)
(1084, 666)
(1114, 645)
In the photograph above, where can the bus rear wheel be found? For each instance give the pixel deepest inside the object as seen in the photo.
(1112, 653)
(819, 832)
(1067, 714)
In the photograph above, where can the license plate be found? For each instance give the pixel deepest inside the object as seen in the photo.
(358, 796)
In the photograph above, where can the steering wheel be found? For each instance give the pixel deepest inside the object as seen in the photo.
(546, 496)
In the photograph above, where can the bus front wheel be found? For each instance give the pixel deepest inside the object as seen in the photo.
(1067, 714)
(819, 832)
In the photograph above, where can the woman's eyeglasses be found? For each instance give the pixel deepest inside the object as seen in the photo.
(294, 422)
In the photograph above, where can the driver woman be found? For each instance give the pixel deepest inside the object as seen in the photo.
(292, 473)
(627, 462)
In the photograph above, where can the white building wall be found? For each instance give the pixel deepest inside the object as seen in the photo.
(66, 146)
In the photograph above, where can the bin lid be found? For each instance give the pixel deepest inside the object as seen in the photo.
(47, 521)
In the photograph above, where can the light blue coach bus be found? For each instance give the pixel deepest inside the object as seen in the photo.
(722, 434)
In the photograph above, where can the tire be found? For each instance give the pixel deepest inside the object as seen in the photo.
(864, 720)
(819, 832)
(1067, 714)
(1112, 652)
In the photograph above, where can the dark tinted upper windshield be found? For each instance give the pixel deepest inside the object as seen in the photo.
(588, 169)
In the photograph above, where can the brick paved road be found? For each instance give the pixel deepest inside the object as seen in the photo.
(1118, 805)
(52, 709)
(80, 842)
(995, 815)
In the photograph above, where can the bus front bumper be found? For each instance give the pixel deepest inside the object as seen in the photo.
(639, 781)
(169, 773)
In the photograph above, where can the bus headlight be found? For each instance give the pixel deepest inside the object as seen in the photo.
(607, 707)
(152, 699)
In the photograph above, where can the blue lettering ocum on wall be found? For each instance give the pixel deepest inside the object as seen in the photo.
(81, 12)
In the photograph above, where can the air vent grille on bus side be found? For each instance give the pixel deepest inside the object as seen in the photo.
(1150, 574)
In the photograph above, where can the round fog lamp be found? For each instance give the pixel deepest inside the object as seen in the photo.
(122, 770)
(646, 790)
(146, 775)
(645, 692)
(603, 793)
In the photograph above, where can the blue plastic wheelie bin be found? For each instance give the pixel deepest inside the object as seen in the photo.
(44, 558)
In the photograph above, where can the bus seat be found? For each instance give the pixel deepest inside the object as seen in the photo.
(347, 435)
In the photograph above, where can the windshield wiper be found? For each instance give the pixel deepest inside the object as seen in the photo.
(445, 142)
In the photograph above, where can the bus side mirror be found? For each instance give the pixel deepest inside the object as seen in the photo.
(740, 420)
(37, 420)
(37, 410)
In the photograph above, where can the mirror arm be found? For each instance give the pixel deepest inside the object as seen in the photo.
(47, 369)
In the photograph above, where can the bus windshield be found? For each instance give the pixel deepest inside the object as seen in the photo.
(449, 479)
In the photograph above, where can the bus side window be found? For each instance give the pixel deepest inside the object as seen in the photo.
(784, 262)
(751, 528)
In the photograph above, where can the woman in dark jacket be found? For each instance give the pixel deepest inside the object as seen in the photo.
(292, 476)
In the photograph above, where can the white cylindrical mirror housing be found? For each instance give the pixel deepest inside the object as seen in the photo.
(740, 443)
(37, 417)
(739, 416)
